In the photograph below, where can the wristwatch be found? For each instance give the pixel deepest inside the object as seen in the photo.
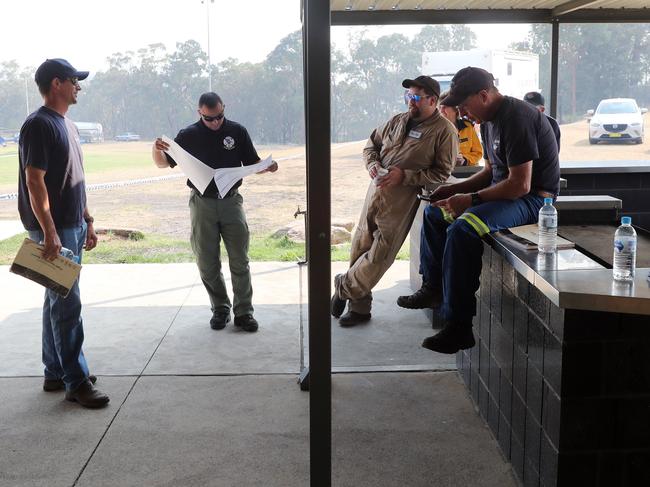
(476, 199)
(89, 219)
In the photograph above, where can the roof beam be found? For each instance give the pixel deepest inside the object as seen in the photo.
(572, 6)
(488, 16)
(424, 16)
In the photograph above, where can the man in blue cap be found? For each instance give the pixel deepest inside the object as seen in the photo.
(52, 207)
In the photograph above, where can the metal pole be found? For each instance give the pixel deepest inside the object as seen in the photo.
(555, 48)
(207, 15)
(316, 45)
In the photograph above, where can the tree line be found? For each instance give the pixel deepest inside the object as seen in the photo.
(154, 91)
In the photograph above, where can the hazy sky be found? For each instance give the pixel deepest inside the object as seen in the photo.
(86, 32)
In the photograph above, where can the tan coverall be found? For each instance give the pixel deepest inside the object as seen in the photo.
(427, 154)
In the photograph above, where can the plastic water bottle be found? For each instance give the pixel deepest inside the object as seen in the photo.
(69, 254)
(625, 251)
(547, 227)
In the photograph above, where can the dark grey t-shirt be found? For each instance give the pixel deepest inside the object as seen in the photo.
(520, 133)
(50, 142)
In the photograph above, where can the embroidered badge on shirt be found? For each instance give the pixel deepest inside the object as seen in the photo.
(415, 134)
(229, 143)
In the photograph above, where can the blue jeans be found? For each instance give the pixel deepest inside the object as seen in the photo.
(63, 333)
(451, 249)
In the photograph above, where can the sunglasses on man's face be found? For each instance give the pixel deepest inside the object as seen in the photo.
(416, 98)
(214, 118)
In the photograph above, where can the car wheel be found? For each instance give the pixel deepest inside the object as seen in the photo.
(639, 140)
(593, 141)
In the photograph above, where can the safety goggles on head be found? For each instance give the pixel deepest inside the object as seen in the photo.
(416, 98)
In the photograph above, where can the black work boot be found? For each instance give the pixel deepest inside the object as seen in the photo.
(87, 396)
(352, 318)
(453, 337)
(53, 385)
(425, 297)
(219, 320)
(337, 304)
(246, 323)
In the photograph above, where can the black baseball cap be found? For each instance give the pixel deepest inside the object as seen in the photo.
(467, 82)
(57, 68)
(427, 83)
(534, 98)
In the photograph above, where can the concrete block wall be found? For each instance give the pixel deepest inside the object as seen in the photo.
(566, 393)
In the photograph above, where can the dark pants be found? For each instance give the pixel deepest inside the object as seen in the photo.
(213, 219)
(451, 249)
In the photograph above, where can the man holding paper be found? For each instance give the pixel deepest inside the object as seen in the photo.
(52, 207)
(217, 143)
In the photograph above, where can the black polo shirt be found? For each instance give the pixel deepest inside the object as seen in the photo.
(230, 146)
(520, 133)
(50, 142)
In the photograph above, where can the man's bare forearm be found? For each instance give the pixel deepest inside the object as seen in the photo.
(159, 157)
(507, 189)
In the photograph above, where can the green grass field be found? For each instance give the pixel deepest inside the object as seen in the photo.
(159, 249)
(99, 159)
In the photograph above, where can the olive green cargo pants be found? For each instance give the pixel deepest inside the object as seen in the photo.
(214, 219)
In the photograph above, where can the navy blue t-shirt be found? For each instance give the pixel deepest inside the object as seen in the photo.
(50, 142)
(520, 133)
(230, 146)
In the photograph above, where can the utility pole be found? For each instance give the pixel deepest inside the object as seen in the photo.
(207, 16)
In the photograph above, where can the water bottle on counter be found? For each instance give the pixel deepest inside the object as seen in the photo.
(625, 251)
(547, 227)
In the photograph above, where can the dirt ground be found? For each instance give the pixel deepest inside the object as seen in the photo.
(271, 199)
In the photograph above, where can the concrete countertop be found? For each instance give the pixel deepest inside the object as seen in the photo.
(572, 280)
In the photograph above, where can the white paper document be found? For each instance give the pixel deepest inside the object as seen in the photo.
(225, 178)
(197, 172)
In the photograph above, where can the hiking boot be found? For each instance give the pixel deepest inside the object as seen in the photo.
(219, 320)
(87, 396)
(452, 338)
(352, 318)
(53, 385)
(337, 305)
(246, 323)
(425, 297)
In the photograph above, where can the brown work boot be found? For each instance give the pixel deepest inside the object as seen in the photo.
(352, 318)
(53, 385)
(425, 297)
(87, 396)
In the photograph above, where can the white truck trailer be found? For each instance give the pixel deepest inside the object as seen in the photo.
(515, 73)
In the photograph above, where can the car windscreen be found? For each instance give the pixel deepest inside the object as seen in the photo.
(617, 107)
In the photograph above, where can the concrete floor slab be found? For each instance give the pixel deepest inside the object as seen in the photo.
(191, 347)
(413, 429)
(207, 431)
(393, 336)
(388, 430)
(46, 440)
